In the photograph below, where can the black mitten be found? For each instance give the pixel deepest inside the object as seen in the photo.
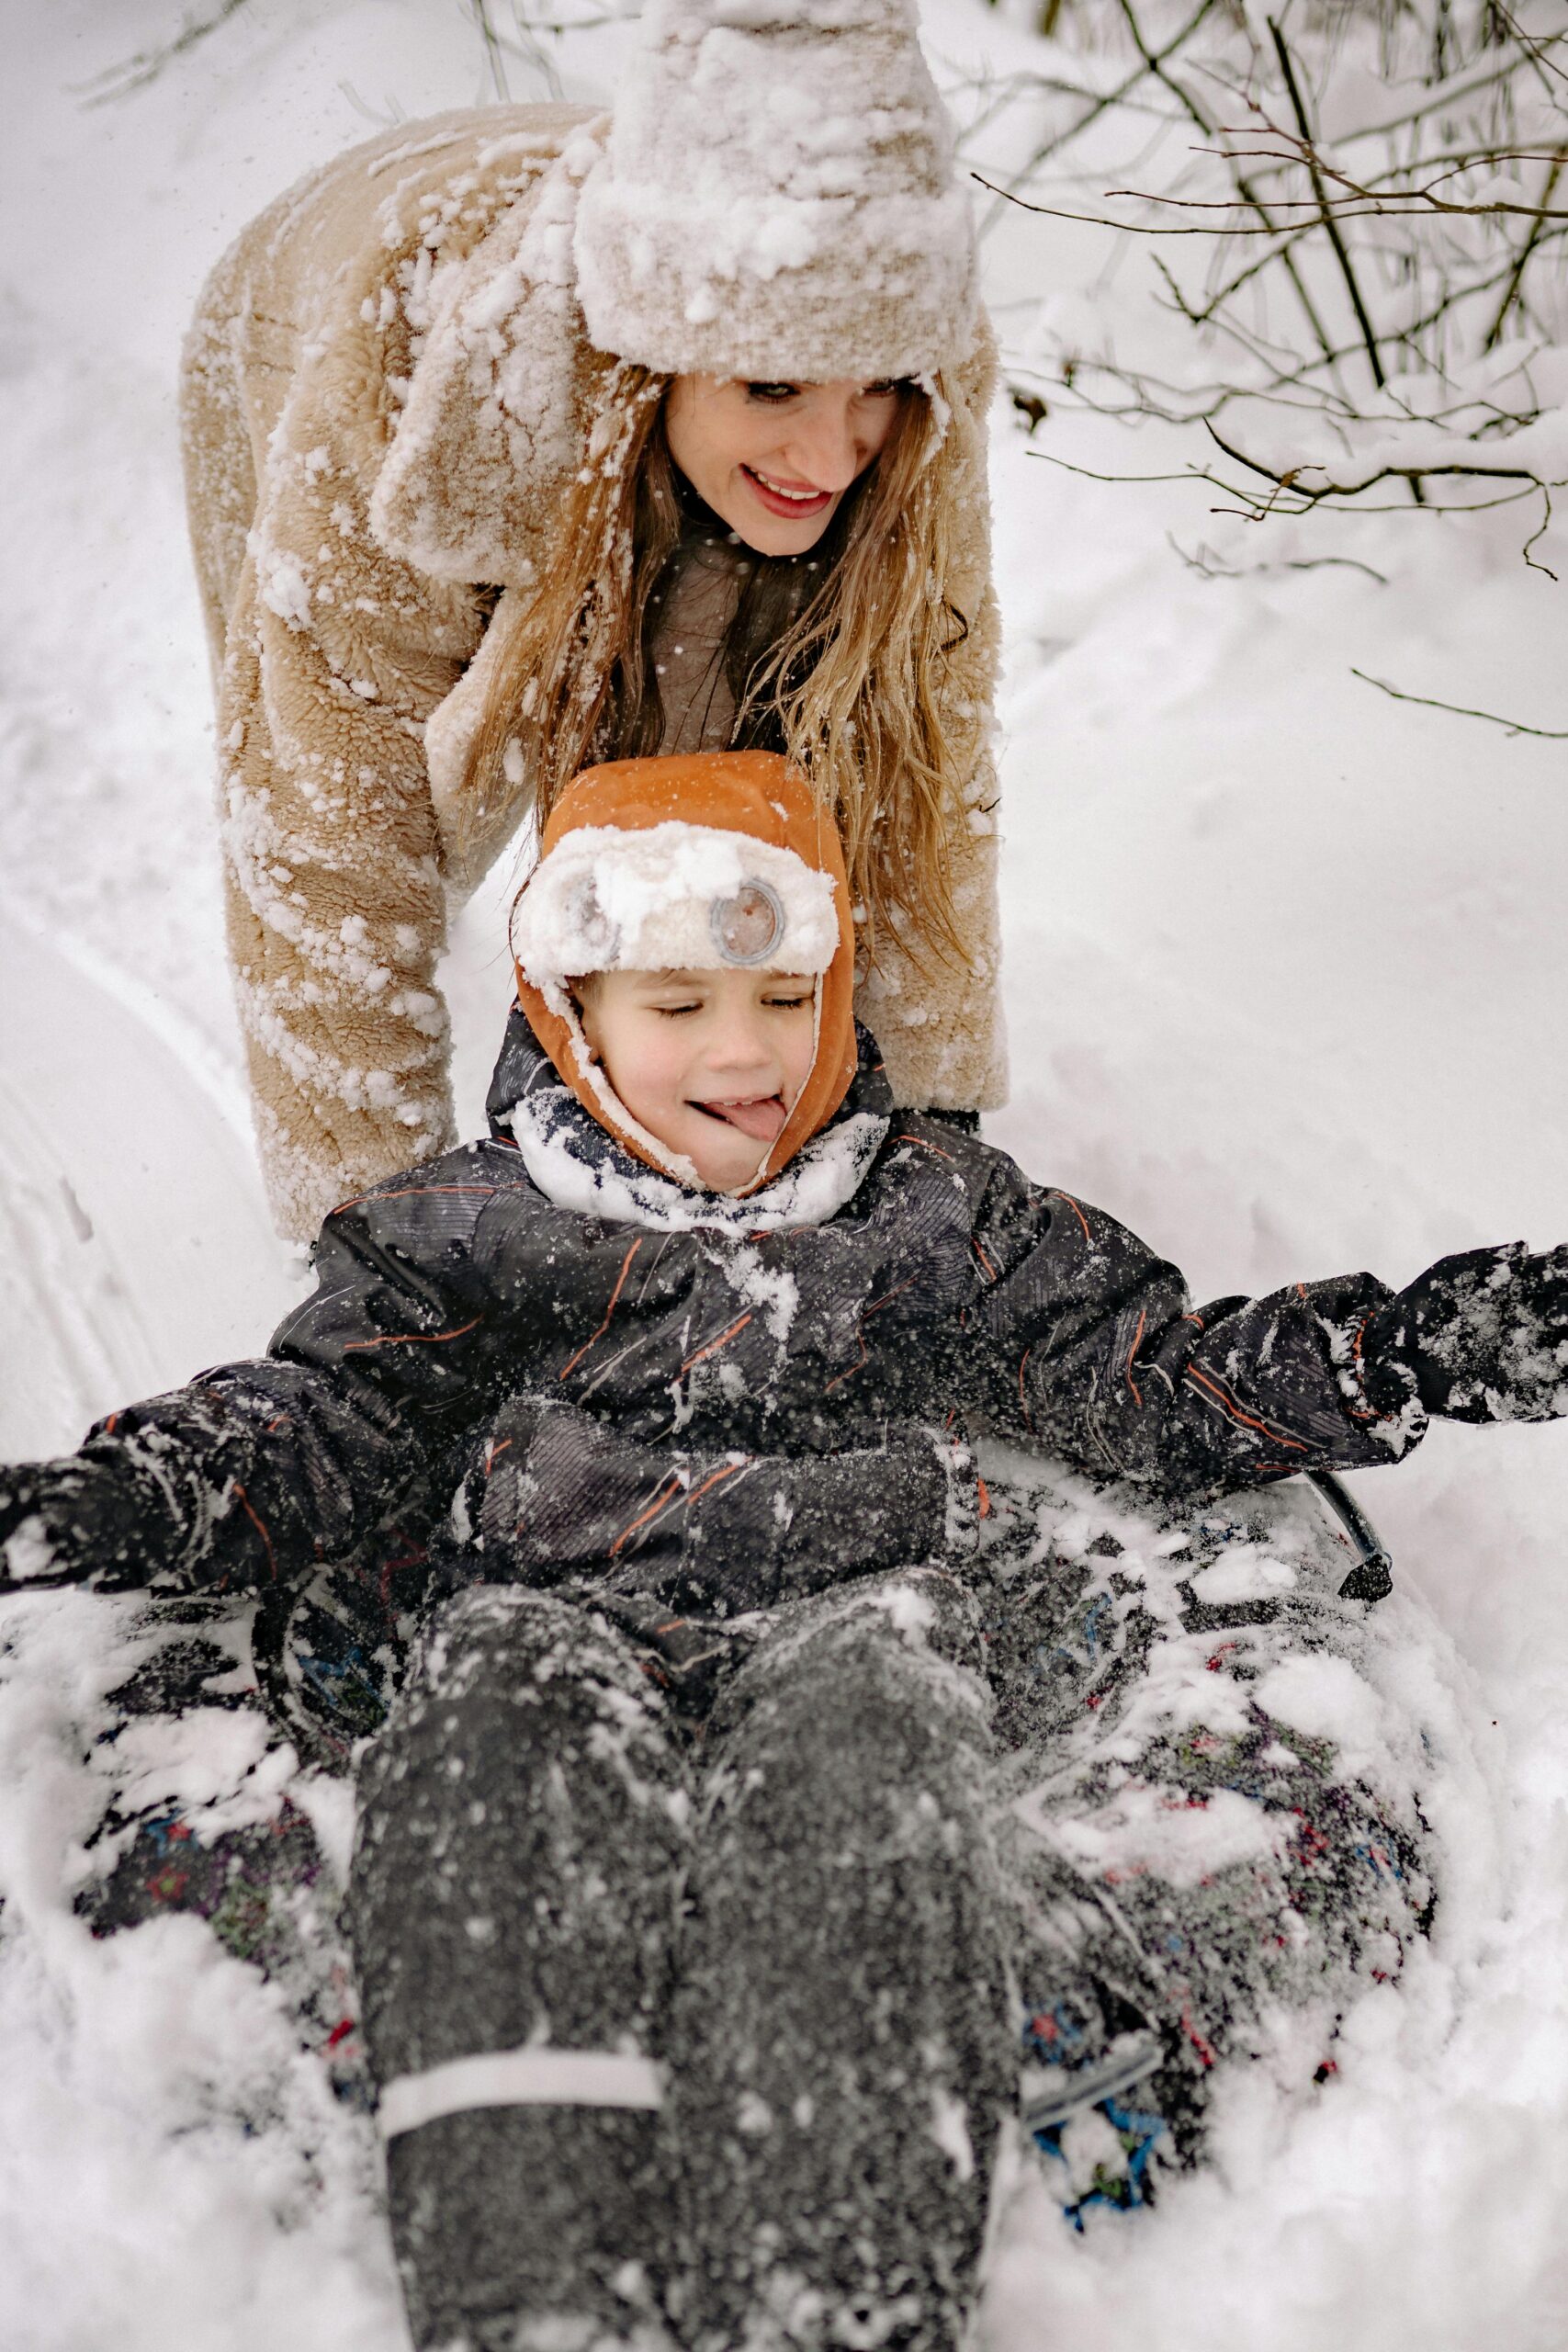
(1479, 1337)
(555, 1493)
(83, 1516)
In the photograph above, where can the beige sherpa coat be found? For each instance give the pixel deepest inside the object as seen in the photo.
(381, 406)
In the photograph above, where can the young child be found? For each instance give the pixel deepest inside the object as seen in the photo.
(692, 1923)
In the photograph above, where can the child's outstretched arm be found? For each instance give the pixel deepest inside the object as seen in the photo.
(1104, 1359)
(257, 1471)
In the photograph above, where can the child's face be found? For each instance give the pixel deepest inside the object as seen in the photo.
(710, 1063)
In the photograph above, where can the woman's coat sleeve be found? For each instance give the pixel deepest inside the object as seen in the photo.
(330, 654)
(333, 894)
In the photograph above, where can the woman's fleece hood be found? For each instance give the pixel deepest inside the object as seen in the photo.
(697, 862)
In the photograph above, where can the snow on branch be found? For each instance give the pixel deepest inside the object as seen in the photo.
(1356, 224)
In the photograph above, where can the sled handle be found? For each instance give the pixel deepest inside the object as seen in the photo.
(1371, 1579)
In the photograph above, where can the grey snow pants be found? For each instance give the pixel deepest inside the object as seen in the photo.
(803, 1926)
(714, 2030)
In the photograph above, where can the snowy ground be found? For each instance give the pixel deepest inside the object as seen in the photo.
(1287, 980)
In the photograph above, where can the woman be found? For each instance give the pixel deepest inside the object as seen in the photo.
(520, 438)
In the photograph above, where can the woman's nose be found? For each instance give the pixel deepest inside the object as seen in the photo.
(824, 444)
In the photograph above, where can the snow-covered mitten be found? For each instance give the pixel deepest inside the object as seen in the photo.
(1479, 1337)
(97, 1517)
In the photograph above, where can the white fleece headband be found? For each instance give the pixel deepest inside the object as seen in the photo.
(671, 898)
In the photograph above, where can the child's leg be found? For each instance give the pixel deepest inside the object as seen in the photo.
(511, 1903)
(839, 2053)
(1213, 1824)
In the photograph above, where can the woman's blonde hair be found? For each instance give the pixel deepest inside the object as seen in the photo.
(852, 684)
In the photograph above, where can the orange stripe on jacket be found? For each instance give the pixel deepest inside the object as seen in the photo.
(572, 1361)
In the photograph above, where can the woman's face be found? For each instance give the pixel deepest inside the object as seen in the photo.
(774, 460)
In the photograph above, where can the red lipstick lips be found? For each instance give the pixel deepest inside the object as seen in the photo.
(778, 502)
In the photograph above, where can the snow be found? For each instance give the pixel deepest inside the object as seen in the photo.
(1286, 968)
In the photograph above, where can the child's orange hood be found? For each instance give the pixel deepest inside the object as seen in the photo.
(671, 902)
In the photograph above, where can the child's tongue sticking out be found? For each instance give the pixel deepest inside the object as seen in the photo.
(761, 1115)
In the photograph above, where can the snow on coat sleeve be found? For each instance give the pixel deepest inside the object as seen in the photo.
(331, 654)
(332, 886)
(1102, 1356)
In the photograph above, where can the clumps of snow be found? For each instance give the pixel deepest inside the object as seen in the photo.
(1325, 1698)
(1140, 1831)
(1248, 1573)
(909, 1613)
(961, 1514)
(284, 589)
(174, 2169)
(771, 1292)
(206, 1763)
(950, 2129)
(492, 431)
(606, 899)
(28, 1551)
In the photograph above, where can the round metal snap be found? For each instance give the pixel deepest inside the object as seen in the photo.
(747, 928)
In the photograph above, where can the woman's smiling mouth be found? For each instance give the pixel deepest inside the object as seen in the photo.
(786, 498)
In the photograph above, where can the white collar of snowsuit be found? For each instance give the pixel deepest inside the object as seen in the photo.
(575, 1165)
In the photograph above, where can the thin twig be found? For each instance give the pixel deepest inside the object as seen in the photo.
(1375, 208)
(480, 9)
(1123, 89)
(1397, 204)
(1197, 115)
(1539, 533)
(1209, 567)
(1437, 98)
(1291, 497)
(1341, 252)
(1462, 710)
(1494, 332)
(1535, 49)
(135, 72)
(1291, 478)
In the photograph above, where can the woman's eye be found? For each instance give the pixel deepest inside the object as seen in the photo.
(883, 388)
(771, 391)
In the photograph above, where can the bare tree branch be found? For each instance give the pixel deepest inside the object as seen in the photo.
(1461, 710)
(135, 72)
(1522, 259)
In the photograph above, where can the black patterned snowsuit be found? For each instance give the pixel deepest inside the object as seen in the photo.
(750, 1738)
